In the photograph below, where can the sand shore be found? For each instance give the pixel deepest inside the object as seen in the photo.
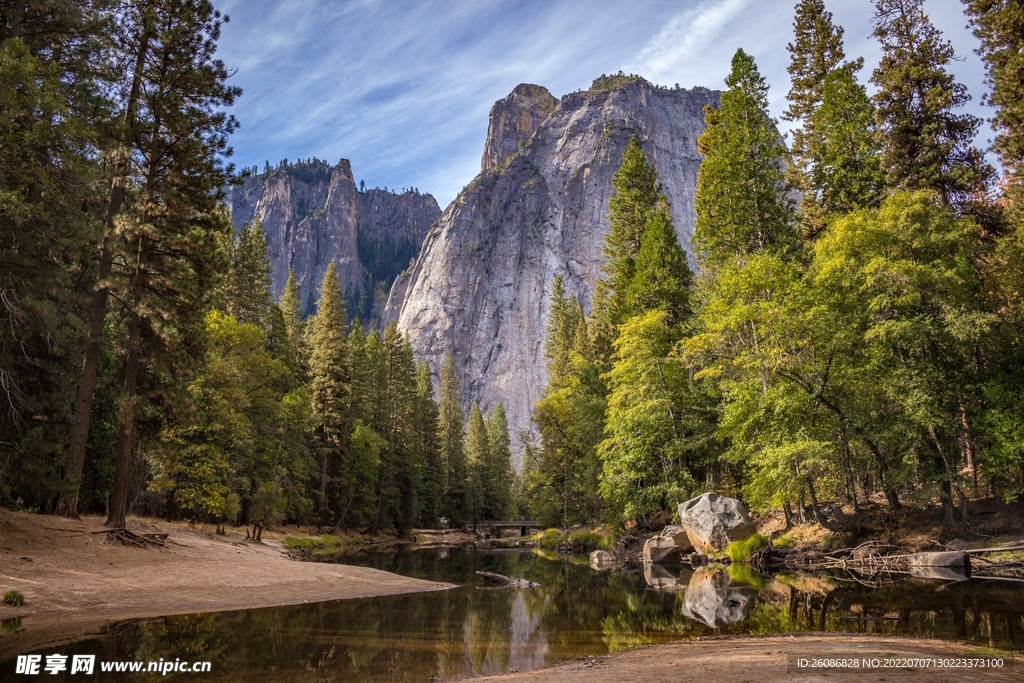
(763, 660)
(74, 583)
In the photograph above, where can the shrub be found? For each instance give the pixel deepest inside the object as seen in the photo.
(14, 598)
(740, 551)
(549, 538)
(588, 539)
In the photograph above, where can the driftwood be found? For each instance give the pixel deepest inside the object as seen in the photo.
(876, 558)
(505, 582)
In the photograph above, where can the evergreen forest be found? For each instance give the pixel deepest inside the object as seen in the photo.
(143, 363)
(853, 332)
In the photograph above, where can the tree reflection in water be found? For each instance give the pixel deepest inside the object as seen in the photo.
(575, 612)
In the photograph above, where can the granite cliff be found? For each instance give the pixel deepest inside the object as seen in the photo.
(313, 214)
(482, 282)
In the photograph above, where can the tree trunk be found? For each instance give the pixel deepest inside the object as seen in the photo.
(68, 503)
(323, 488)
(118, 508)
(818, 515)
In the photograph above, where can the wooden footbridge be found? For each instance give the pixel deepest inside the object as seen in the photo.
(524, 526)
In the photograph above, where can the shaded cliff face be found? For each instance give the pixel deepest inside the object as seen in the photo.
(482, 283)
(313, 214)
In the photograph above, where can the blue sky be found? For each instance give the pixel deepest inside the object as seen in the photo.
(403, 89)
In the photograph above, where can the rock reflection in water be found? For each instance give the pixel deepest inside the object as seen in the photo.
(661, 578)
(715, 600)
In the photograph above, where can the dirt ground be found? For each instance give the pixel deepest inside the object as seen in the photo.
(763, 660)
(75, 583)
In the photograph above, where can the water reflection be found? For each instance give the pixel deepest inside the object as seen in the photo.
(575, 612)
(713, 598)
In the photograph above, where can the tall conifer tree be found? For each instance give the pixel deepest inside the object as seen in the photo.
(999, 25)
(435, 479)
(742, 198)
(500, 475)
(927, 145)
(478, 455)
(452, 439)
(175, 226)
(331, 379)
(247, 285)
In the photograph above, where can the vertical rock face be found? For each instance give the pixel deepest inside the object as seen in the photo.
(313, 214)
(482, 282)
(513, 120)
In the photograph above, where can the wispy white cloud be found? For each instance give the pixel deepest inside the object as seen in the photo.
(403, 87)
(685, 37)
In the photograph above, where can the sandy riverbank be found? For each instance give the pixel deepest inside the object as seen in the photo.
(761, 660)
(74, 583)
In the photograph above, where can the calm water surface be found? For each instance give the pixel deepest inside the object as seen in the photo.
(575, 612)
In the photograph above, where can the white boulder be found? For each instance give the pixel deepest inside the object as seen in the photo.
(712, 522)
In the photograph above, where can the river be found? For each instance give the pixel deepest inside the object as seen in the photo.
(575, 612)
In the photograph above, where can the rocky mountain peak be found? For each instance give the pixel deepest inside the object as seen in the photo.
(513, 121)
(482, 282)
(313, 214)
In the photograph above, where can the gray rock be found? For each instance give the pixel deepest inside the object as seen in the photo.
(600, 559)
(713, 599)
(513, 121)
(661, 579)
(958, 544)
(955, 558)
(660, 549)
(712, 522)
(939, 573)
(482, 282)
(679, 536)
(313, 214)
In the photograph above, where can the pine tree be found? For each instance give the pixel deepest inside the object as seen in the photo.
(637, 192)
(663, 277)
(46, 244)
(435, 477)
(291, 308)
(247, 286)
(559, 335)
(846, 172)
(500, 475)
(478, 455)
(136, 45)
(172, 235)
(331, 380)
(999, 25)
(742, 198)
(816, 50)
(452, 439)
(926, 144)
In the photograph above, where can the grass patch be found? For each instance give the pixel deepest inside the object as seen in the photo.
(590, 540)
(14, 598)
(10, 625)
(741, 573)
(328, 544)
(549, 538)
(740, 551)
(784, 541)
